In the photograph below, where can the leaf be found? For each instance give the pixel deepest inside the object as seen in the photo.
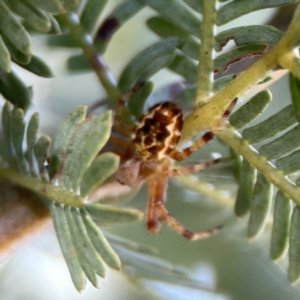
(223, 61)
(138, 65)
(185, 67)
(71, 4)
(6, 149)
(294, 248)
(260, 206)
(91, 13)
(245, 189)
(78, 63)
(190, 49)
(164, 29)
(66, 245)
(4, 57)
(295, 93)
(14, 90)
(64, 40)
(100, 243)
(86, 142)
(281, 226)
(238, 8)
(11, 27)
(66, 131)
(87, 255)
(282, 145)
(31, 136)
(100, 169)
(195, 4)
(39, 67)
(137, 101)
(153, 268)
(249, 35)
(123, 12)
(236, 166)
(18, 129)
(156, 66)
(54, 167)
(188, 94)
(290, 163)
(41, 149)
(55, 28)
(177, 13)
(113, 214)
(11, 139)
(270, 127)
(38, 19)
(15, 53)
(51, 6)
(86, 266)
(130, 245)
(251, 110)
(76, 232)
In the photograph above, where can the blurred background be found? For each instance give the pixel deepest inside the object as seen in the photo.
(226, 265)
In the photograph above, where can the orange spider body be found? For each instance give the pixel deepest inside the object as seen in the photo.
(155, 135)
(148, 158)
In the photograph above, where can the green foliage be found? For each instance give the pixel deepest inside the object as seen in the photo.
(282, 151)
(15, 43)
(64, 194)
(185, 47)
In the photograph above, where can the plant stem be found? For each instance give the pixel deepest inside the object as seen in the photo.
(241, 146)
(206, 62)
(95, 60)
(49, 191)
(291, 62)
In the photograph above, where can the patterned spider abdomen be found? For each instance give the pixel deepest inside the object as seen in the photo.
(157, 131)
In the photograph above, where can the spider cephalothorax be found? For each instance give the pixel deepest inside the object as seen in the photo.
(148, 155)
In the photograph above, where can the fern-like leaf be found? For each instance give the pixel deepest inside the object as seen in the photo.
(282, 151)
(76, 175)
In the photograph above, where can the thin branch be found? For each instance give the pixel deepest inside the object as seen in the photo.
(95, 60)
(291, 62)
(95, 105)
(241, 146)
(49, 191)
(206, 61)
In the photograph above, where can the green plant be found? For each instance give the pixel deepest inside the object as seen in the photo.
(73, 166)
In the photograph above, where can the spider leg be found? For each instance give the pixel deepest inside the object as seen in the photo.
(179, 228)
(193, 168)
(157, 186)
(156, 211)
(180, 155)
(115, 144)
(120, 106)
(118, 141)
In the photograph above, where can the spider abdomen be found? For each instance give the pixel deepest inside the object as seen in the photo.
(157, 131)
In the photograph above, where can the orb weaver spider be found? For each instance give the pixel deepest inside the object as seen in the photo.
(147, 152)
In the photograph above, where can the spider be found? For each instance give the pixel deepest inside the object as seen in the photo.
(146, 155)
